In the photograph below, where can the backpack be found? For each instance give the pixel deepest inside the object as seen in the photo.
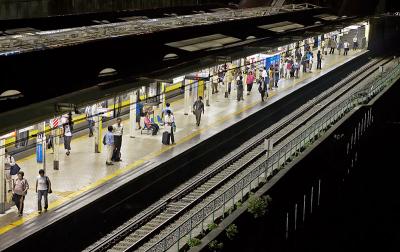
(104, 140)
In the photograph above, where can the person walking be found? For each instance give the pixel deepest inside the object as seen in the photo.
(108, 141)
(20, 189)
(340, 46)
(198, 108)
(118, 130)
(8, 162)
(319, 59)
(43, 188)
(170, 125)
(67, 132)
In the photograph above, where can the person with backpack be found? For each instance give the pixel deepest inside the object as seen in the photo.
(20, 189)
(108, 141)
(43, 188)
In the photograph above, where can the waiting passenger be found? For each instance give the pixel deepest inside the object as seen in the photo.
(8, 162)
(20, 189)
(90, 119)
(153, 126)
(67, 132)
(118, 130)
(319, 60)
(43, 188)
(249, 82)
(109, 142)
(240, 88)
(355, 43)
(167, 107)
(346, 47)
(139, 113)
(262, 88)
(198, 108)
(215, 80)
(170, 125)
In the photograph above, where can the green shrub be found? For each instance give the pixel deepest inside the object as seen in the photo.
(215, 245)
(231, 231)
(193, 242)
(212, 226)
(258, 205)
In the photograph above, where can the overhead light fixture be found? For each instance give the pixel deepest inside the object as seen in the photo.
(10, 94)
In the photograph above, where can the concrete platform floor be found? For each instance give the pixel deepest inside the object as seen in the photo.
(84, 170)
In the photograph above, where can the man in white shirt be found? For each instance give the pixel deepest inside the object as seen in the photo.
(118, 130)
(169, 125)
(43, 188)
(346, 47)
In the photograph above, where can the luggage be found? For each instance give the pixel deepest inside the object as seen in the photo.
(165, 138)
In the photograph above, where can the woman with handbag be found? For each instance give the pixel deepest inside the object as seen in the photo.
(43, 188)
(20, 189)
(8, 163)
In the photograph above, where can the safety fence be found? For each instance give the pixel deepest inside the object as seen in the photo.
(266, 167)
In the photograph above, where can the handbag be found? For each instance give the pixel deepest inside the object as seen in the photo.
(48, 185)
(14, 169)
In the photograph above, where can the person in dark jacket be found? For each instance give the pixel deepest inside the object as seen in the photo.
(198, 108)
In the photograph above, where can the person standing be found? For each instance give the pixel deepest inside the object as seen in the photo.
(139, 113)
(8, 162)
(118, 130)
(20, 189)
(333, 46)
(43, 188)
(346, 47)
(67, 132)
(215, 79)
(355, 43)
(198, 108)
(319, 59)
(262, 89)
(109, 142)
(249, 82)
(340, 46)
(239, 85)
(170, 125)
(90, 119)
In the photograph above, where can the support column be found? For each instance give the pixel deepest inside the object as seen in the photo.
(98, 139)
(56, 147)
(2, 177)
(132, 113)
(41, 146)
(186, 97)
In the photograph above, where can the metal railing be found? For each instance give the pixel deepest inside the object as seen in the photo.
(265, 166)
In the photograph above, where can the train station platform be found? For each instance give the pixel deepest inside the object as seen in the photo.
(84, 171)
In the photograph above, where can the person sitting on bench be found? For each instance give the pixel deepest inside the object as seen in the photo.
(153, 126)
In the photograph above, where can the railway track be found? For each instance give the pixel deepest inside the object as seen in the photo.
(145, 229)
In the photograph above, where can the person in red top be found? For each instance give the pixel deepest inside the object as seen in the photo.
(249, 82)
(154, 127)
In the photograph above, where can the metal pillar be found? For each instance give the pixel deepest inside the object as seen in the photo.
(98, 143)
(187, 104)
(2, 177)
(56, 146)
(41, 146)
(132, 113)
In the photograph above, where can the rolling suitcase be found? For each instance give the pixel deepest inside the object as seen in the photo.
(165, 138)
